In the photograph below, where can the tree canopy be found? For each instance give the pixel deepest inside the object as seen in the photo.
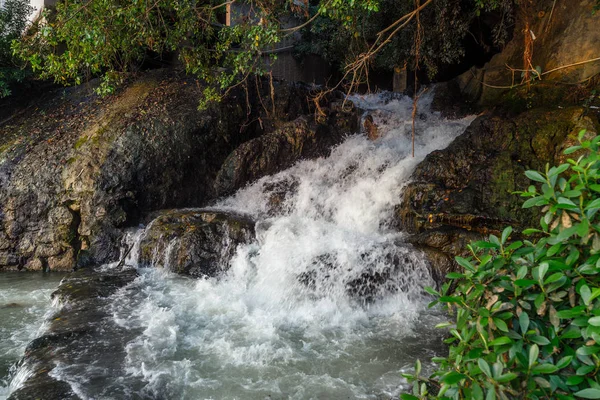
(13, 20)
(80, 39)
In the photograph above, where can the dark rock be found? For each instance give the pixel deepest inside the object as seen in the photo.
(81, 167)
(83, 318)
(279, 192)
(565, 34)
(276, 151)
(89, 284)
(450, 101)
(397, 269)
(391, 268)
(197, 243)
(11, 305)
(42, 386)
(467, 191)
(77, 168)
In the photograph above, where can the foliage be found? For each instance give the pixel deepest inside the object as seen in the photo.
(108, 38)
(527, 313)
(444, 25)
(13, 20)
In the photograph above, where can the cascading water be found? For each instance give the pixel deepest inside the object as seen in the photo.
(326, 303)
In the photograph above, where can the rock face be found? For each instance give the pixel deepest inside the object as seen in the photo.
(83, 318)
(565, 32)
(77, 168)
(276, 151)
(197, 243)
(467, 190)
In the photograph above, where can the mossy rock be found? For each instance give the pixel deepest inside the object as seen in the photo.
(197, 243)
(467, 190)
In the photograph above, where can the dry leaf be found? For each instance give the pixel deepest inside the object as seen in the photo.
(491, 301)
(542, 310)
(566, 220)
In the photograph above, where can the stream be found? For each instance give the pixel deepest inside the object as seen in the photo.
(292, 316)
(24, 306)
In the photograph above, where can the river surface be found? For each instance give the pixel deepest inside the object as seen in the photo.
(289, 319)
(24, 306)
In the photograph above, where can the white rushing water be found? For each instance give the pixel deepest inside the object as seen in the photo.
(285, 322)
(24, 305)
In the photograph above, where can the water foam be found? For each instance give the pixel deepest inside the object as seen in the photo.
(25, 308)
(326, 303)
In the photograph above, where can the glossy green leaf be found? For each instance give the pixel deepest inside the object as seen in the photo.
(506, 377)
(452, 378)
(535, 176)
(544, 369)
(588, 393)
(501, 341)
(506, 233)
(524, 322)
(540, 340)
(564, 362)
(534, 352)
(484, 367)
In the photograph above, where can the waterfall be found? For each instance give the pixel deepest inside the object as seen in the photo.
(326, 303)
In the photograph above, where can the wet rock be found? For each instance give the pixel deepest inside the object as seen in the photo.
(371, 128)
(278, 193)
(565, 34)
(34, 264)
(276, 151)
(466, 191)
(44, 387)
(384, 270)
(196, 243)
(77, 168)
(83, 318)
(11, 305)
(398, 269)
(88, 284)
(450, 101)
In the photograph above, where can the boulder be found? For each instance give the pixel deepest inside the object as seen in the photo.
(385, 269)
(76, 168)
(467, 191)
(82, 318)
(565, 39)
(276, 151)
(196, 243)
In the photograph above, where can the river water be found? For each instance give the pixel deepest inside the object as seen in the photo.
(24, 306)
(291, 318)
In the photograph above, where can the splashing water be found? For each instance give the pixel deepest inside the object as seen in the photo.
(24, 302)
(327, 303)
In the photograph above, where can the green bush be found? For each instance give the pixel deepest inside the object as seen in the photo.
(13, 21)
(82, 39)
(527, 312)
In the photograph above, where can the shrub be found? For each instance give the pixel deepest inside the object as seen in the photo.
(82, 39)
(13, 21)
(527, 312)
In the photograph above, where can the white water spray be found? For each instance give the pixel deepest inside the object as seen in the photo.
(24, 303)
(327, 303)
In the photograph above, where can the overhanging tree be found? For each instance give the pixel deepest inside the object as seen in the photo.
(86, 38)
(13, 20)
